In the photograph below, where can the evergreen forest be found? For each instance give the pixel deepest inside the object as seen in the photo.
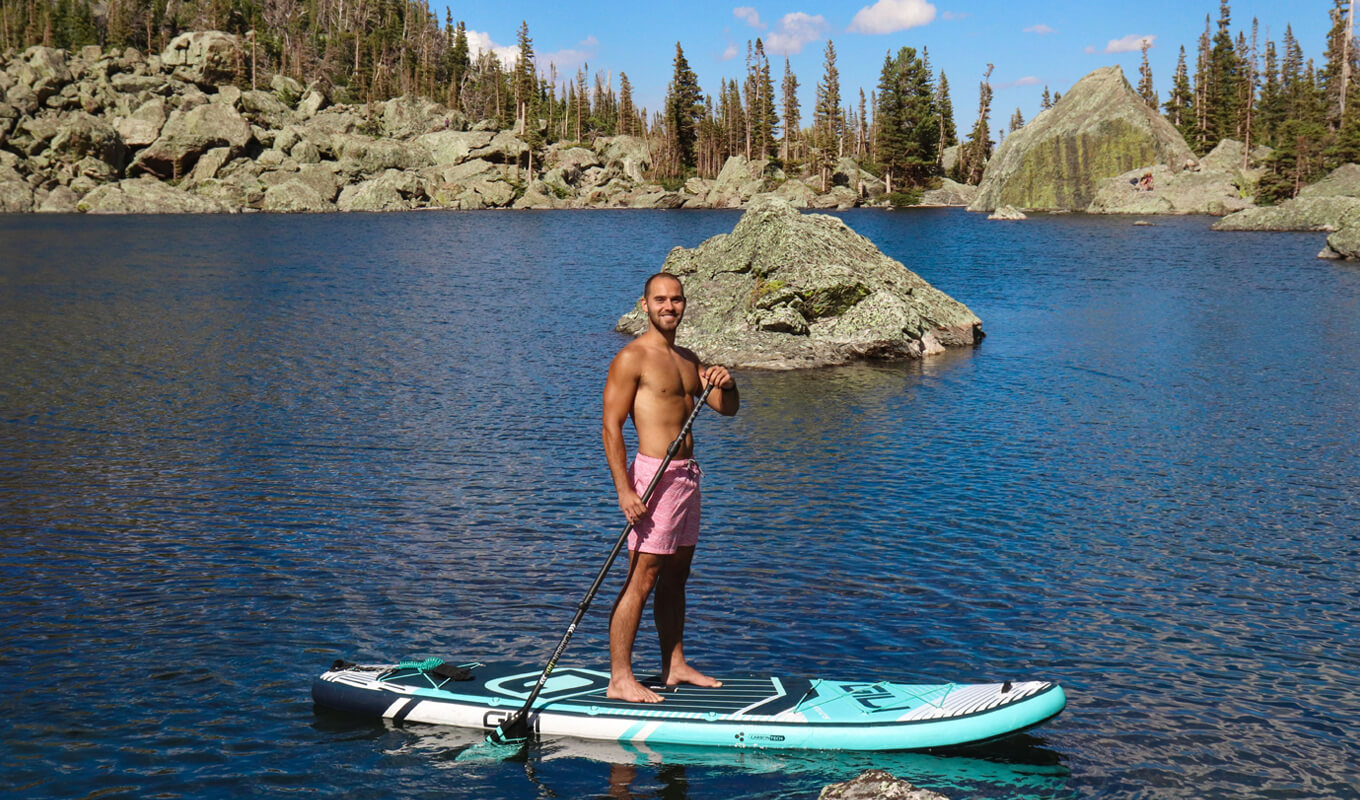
(1240, 86)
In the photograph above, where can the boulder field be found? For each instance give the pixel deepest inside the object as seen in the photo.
(105, 131)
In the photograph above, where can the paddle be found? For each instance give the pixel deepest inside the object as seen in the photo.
(516, 727)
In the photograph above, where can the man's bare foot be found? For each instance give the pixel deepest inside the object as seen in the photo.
(631, 692)
(687, 674)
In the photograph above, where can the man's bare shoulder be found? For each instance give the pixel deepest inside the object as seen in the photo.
(688, 355)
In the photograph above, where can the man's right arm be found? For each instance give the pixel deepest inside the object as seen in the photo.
(620, 390)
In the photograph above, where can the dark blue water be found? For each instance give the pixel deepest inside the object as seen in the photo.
(233, 449)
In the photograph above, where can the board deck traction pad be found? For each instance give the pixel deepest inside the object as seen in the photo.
(746, 711)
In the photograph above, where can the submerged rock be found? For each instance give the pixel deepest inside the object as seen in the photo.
(1099, 129)
(876, 784)
(785, 290)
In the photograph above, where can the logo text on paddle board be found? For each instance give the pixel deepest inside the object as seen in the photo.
(869, 695)
(492, 720)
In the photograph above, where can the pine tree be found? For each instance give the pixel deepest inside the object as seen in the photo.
(1339, 64)
(828, 120)
(862, 131)
(1145, 89)
(525, 78)
(789, 88)
(459, 61)
(684, 111)
(948, 133)
(1225, 73)
(627, 125)
(760, 107)
(1046, 102)
(1180, 103)
(1017, 121)
(1270, 106)
(908, 126)
(977, 150)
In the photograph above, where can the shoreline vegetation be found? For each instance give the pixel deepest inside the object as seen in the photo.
(115, 109)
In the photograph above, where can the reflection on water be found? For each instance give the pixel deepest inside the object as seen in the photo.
(234, 449)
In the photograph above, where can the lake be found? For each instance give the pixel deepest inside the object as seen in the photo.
(233, 449)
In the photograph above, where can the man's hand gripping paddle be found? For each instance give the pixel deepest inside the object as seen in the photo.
(516, 728)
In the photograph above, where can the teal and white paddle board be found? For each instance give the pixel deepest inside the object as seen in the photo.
(746, 711)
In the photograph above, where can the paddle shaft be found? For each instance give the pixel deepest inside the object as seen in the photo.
(503, 731)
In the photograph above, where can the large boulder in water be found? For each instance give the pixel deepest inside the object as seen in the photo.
(785, 290)
(1185, 192)
(1300, 214)
(1099, 129)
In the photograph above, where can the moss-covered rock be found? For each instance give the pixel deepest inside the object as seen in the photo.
(1099, 129)
(1300, 214)
(786, 290)
(1344, 181)
(1186, 192)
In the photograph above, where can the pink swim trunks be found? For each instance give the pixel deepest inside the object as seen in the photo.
(673, 517)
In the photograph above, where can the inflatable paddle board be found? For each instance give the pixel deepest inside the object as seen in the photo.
(749, 711)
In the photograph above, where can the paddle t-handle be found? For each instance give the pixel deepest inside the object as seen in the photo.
(516, 727)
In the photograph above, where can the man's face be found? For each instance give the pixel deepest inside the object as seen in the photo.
(664, 304)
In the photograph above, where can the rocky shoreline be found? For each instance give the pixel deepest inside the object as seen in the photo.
(121, 132)
(104, 131)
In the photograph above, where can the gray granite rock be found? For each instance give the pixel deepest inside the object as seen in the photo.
(295, 196)
(1326, 213)
(147, 196)
(1008, 213)
(1099, 129)
(1186, 192)
(61, 200)
(188, 135)
(950, 193)
(16, 195)
(204, 57)
(1344, 181)
(786, 290)
(144, 125)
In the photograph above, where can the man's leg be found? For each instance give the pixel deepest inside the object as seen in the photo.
(643, 569)
(669, 612)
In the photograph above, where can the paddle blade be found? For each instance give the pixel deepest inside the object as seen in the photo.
(514, 730)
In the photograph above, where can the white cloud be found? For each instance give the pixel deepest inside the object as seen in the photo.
(750, 15)
(479, 43)
(730, 53)
(1126, 44)
(1040, 29)
(1028, 80)
(795, 31)
(890, 16)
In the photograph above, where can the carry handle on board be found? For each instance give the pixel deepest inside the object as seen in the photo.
(516, 728)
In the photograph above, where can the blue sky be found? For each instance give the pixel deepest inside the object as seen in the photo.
(1031, 44)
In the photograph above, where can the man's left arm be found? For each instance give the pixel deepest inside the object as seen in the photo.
(724, 398)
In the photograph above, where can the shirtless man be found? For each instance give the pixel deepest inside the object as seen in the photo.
(656, 383)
